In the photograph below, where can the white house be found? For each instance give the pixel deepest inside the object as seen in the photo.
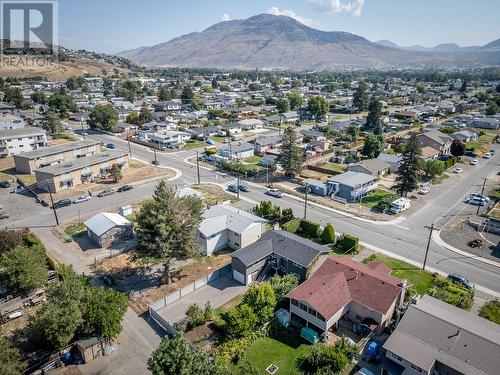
(15, 141)
(238, 150)
(168, 138)
(226, 226)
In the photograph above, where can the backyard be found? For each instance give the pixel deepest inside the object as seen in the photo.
(376, 197)
(193, 143)
(280, 349)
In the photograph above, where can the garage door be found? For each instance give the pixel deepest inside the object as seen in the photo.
(238, 276)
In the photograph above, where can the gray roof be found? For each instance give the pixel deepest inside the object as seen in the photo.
(372, 165)
(270, 140)
(222, 217)
(352, 179)
(80, 163)
(21, 132)
(390, 158)
(238, 147)
(285, 244)
(105, 221)
(434, 331)
(46, 151)
(437, 136)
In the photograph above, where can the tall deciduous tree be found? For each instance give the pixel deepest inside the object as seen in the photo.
(353, 132)
(457, 148)
(103, 117)
(145, 115)
(174, 357)
(290, 155)
(25, 267)
(10, 360)
(261, 298)
(283, 105)
(52, 123)
(282, 285)
(318, 106)
(372, 146)
(166, 227)
(408, 172)
(295, 99)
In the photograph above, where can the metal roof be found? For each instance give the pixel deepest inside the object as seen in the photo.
(46, 151)
(433, 331)
(221, 217)
(21, 132)
(105, 221)
(352, 179)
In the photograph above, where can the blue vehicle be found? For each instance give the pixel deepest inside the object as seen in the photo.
(232, 188)
(210, 142)
(111, 145)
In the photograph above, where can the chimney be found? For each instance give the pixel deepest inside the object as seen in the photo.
(357, 274)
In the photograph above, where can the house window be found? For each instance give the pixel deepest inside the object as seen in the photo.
(397, 357)
(320, 317)
(303, 307)
(296, 265)
(311, 311)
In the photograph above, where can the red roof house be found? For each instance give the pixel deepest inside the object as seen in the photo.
(342, 287)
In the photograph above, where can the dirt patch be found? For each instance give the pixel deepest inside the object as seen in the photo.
(142, 279)
(214, 194)
(203, 337)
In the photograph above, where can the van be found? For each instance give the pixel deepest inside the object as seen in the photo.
(399, 205)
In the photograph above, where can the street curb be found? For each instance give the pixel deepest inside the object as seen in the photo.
(436, 237)
(178, 173)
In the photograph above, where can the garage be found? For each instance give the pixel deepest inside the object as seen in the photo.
(238, 276)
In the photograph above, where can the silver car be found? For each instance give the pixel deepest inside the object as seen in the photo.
(82, 198)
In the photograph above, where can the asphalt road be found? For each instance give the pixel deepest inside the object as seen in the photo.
(406, 238)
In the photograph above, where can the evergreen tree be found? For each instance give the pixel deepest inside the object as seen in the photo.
(163, 93)
(166, 227)
(283, 105)
(328, 235)
(290, 155)
(360, 97)
(463, 88)
(52, 123)
(145, 115)
(408, 172)
(374, 113)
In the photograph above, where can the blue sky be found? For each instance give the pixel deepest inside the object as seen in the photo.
(116, 25)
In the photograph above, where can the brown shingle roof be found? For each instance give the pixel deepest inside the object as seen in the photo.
(340, 280)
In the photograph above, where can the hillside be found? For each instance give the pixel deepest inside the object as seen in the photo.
(279, 42)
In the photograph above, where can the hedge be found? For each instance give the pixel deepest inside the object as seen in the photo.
(310, 227)
(328, 235)
(349, 244)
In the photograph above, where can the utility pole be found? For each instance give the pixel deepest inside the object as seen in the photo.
(238, 185)
(53, 208)
(482, 193)
(83, 131)
(305, 201)
(267, 175)
(129, 148)
(428, 244)
(154, 150)
(198, 166)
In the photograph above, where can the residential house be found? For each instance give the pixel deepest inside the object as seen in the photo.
(486, 123)
(265, 144)
(289, 117)
(429, 153)
(436, 140)
(168, 138)
(251, 123)
(224, 226)
(11, 122)
(350, 186)
(203, 132)
(237, 150)
(233, 128)
(15, 141)
(437, 338)
(394, 160)
(343, 288)
(66, 175)
(27, 162)
(278, 252)
(269, 160)
(373, 167)
(464, 136)
(107, 228)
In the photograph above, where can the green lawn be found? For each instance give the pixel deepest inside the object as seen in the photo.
(278, 349)
(491, 311)
(75, 230)
(486, 138)
(193, 143)
(421, 280)
(229, 305)
(253, 159)
(376, 196)
(218, 139)
(495, 193)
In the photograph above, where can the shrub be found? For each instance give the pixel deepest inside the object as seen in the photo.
(195, 316)
(349, 349)
(239, 321)
(208, 312)
(282, 285)
(491, 311)
(287, 215)
(328, 235)
(349, 244)
(262, 300)
(310, 227)
(293, 225)
(323, 359)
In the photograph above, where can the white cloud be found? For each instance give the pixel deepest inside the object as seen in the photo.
(338, 6)
(226, 17)
(290, 13)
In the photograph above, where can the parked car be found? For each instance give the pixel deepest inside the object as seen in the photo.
(5, 184)
(155, 162)
(492, 152)
(210, 142)
(61, 203)
(274, 193)
(424, 190)
(244, 188)
(459, 279)
(458, 170)
(487, 155)
(105, 193)
(4, 215)
(479, 195)
(470, 153)
(82, 198)
(232, 188)
(111, 145)
(124, 188)
(476, 201)
(474, 162)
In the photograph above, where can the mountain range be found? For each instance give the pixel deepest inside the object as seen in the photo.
(278, 42)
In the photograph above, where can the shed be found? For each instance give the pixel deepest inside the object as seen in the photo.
(92, 347)
(104, 228)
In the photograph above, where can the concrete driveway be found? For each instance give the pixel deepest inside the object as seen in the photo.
(218, 293)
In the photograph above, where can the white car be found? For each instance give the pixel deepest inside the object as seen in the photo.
(274, 193)
(424, 190)
(458, 170)
(82, 198)
(487, 155)
(474, 162)
(479, 196)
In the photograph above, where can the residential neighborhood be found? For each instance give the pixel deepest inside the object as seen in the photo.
(329, 207)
